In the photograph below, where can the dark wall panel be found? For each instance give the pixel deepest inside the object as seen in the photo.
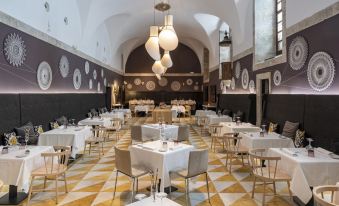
(9, 111)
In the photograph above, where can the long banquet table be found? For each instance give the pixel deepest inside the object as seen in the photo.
(149, 156)
(70, 136)
(306, 171)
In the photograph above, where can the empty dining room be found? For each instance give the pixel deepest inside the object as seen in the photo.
(169, 102)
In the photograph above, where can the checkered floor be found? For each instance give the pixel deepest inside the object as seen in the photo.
(91, 180)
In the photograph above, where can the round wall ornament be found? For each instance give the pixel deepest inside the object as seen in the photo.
(64, 66)
(150, 85)
(137, 81)
(175, 86)
(163, 82)
(277, 78)
(90, 84)
(233, 84)
(87, 67)
(244, 79)
(44, 75)
(15, 50)
(251, 87)
(189, 82)
(237, 69)
(298, 52)
(77, 79)
(95, 74)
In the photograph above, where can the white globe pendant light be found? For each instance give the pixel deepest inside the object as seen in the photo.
(152, 44)
(166, 60)
(158, 76)
(157, 68)
(168, 38)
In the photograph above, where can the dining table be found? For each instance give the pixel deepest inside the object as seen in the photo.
(234, 127)
(16, 168)
(199, 113)
(73, 136)
(307, 171)
(253, 140)
(151, 155)
(141, 108)
(216, 119)
(153, 131)
(114, 115)
(157, 202)
(96, 121)
(163, 115)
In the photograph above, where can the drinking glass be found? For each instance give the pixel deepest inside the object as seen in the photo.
(309, 146)
(161, 195)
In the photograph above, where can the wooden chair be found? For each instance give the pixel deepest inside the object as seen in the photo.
(268, 174)
(202, 122)
(233, 149)
(197, 165)
(55, 166)
(215, 131)
(123, 165)
(136, 133)
(325, 195)
(115, 126)
(187, 111)
(96, 141)
(183, 133)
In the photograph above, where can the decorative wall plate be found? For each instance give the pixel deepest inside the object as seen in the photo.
(137, 81)
(189, 82)
(90, 84)
(298, 52)
(196, 87)
(233, 84)
(321, 71)
(87, 67)
(105, 82)
(196, 83)
(95, 74)
(129, 86)
(64, 66)
(175, 86)
(163, 82)
(244, 79)
(15, 50)
(77, 79)
(277, 78)
(150, 85)
(44, 75)
(251, 87)
(102, 73)
(237, 70)
(99, 87)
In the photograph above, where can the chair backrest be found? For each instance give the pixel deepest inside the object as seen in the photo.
(202, 120)
(198, 162)
(136, 133)
(256, 161)
(232, 142)
(116, 123)
(326, 195)
(55, 162)
(100, 132)
(183, 133)
(123, 161)
(215, 130)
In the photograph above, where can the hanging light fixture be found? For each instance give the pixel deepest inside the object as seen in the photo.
(166, 60)
(158, 68)
(168, 38)
(158, 76)
(152, 44)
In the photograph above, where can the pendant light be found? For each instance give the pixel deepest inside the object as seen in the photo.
(158, 76)
(157, 67)
(166, 60)
(152, 44)
(168, 38)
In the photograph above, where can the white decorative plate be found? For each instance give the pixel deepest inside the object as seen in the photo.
(15, 49)
(163, 81)
(321, 71)
(87, 67)
(102, 73)
(44, 75)
(77, 79)
(277, 78)
(99, 87)
(95, 74)
(137, 81)
(175, 86)
(64, 66)
(237, 70)
(129, 86)
(251, 87)
(105, 82)
(233, 84)
(189, 82)
(297, 53)
(90, 84)
(150, 85)
(196, 87)
(244, 79)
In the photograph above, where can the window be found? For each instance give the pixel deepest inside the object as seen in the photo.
(279, 26)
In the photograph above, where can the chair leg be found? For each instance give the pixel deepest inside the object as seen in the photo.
(212, 142)
(289, 190)
(115, 184)
(56, 190)
(30, 191)
(208, 189)
(137, 186)
(187, 192)
(264, 194)
(45, 181)
(83, 156)
(133, 186)
(231, 158)
(65, 180)
(90, 148)
(253, 189)
(226, 159)
(274, 188)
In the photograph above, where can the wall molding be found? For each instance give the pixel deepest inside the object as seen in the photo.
(19, 25)
(166, 75)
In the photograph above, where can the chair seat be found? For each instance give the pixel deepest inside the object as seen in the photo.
(279, 176)
(138, 172)
(47, 171)
(93, 140)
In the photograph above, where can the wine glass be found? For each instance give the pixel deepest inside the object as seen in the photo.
(26, 135)
(161, 195)
(309, 146)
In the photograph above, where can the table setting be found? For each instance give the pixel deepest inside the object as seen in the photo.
(237, 127)
(96, 121)
(153, 131)
(265, 140)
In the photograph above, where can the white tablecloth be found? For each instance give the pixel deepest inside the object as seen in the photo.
(17, 171)
(141, 108)
(111, 115)
(230, 127)
(152, 131)
(178, 109)
(204, 112)
(306, 171)
(149, 202)
(253, 140)
(122, 110)
(149, 156)
(96, 122)
(72, 136)
(215, 119)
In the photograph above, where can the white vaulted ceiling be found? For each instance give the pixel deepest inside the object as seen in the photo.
(110, 29)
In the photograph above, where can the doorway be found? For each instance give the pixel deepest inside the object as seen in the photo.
(263, 82)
